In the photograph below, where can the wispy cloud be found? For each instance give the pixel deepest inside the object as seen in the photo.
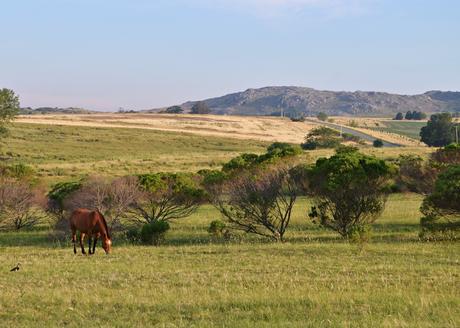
(329, 8)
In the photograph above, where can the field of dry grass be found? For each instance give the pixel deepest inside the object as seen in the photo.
(241, 127)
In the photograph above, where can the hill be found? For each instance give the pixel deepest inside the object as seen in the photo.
(299, 100)
(54, 110)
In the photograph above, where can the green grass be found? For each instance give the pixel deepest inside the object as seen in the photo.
(313, 280)
(405, 128)
(63, 152)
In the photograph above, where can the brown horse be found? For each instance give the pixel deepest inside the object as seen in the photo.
(91, 223)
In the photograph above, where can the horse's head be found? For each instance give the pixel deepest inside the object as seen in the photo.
(107, 245)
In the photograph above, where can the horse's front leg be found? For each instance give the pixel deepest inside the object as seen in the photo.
(82, 237)
(89, 244)
(94, 244)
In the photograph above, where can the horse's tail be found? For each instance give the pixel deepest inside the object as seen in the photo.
(104, 222)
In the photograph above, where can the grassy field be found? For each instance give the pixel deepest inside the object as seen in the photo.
(62, 152)
(313, 280)
(405, 128)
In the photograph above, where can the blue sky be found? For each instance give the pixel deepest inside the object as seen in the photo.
(137, 54)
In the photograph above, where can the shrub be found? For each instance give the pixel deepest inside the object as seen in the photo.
(441, 209)
(360, 234)
(166, 196)
(219, 230)
(321, 137)
(133, 235)
(153, 233)
(200, 108)
(377, 143)
(349, 189)
(439, 132)
(322, 116)
(399, 117)
(258, 201)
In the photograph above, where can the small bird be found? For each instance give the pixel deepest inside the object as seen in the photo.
(16, 268)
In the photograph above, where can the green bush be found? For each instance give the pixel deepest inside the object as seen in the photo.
(218, 230)
(360, 234)
(378, 143)
(154, 233)
(133, 235)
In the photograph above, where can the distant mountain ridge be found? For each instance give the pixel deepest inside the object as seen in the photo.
(54, 110)
(296, 101)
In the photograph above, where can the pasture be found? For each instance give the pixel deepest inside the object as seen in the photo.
(315, 279)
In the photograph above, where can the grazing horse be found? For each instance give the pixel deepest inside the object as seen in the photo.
(91, 223)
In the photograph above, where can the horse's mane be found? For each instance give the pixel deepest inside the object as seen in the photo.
(104, 222)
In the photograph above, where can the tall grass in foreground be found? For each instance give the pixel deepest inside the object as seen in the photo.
(313, 280)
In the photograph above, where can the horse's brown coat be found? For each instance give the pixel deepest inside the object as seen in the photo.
(90, 223)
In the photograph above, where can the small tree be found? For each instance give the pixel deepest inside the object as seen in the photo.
(112, 198)
(258, 201)
(440, 131)
(174, 110)
(20, 205)
(399, 116)
(322, 116)
(9, 108)
(377, 143)
(200, 108)
(349, 190)
(409, 115)
(321, 137)
(165, 197)
(441, 209)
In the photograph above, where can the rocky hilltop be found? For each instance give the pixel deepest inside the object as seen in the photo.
(299, 100)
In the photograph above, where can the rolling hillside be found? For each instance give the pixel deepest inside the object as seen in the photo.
(298, 100)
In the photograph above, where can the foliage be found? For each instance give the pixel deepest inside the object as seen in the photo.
(349, 189)
(113, 198)
(439, 132)
(58, 193)
(9, 108)
(321, 137)
(377, 143)
(298, 119)
(153, 233)
(399, 116)
(18, 171)
(219, 230)
(166, 196)
(133, 235)
(20, 205)
(441, 208)
(360, 234)
(274, 152)
(408, 115)
(200, 108)
(174, 110)
(419, 176)
(322, 116)
(258, 201)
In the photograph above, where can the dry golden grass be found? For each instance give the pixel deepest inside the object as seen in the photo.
(241, 127)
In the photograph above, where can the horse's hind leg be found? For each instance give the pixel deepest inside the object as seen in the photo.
(82, 237)
(74, 240)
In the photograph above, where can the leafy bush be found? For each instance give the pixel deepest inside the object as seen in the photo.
(321, 137)
(218, 230)
(133, 235)
(153, 233)
(349, 189)
(441, 208)
(360, 234)
(377, 143)
(439, 132)
(322, 116)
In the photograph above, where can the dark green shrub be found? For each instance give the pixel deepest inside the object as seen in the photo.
(219, 230)
(133, 235)
(377, 143)
(154, 233)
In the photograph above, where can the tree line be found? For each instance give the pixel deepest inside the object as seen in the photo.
(254, 194)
